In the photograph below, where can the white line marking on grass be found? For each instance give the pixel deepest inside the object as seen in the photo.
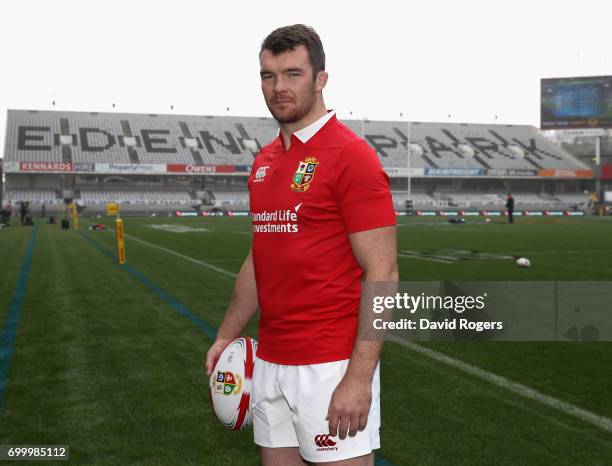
(569, 251)
(429, 224)
(242, 232)
(205, 264)
(523, 390)
(174, 228)
(411, 256)
(222, 260)
(214, 268)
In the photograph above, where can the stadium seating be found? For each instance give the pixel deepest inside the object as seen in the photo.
(220, 141)
(572, 199)
(35, 196)
(528, 199)
(136, 197)
(476, 199)
(146, 144)
(43, 150)
(237, 200)
(114, 154)
(418, 199)
(583, 147)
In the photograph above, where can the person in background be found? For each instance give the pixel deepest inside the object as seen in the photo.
(23, 211)
(8, 211)
(510, 208)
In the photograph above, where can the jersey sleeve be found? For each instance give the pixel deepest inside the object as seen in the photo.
(254, 167)
(362, 189)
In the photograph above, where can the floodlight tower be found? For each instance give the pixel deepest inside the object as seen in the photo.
(409, 187)
(598, 163)
(408, 158)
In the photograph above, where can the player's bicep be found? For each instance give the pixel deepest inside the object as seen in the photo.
(362, 189)
(376, 252)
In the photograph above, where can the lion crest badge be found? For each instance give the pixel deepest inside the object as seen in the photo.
(304, 175)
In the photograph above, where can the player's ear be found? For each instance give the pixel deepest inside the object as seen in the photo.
(321, 80)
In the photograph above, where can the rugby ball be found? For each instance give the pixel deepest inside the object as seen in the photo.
(523, 262)
(230, 384)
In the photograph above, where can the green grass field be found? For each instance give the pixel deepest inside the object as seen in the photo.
(108, 359)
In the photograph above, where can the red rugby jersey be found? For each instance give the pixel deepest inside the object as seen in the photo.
(304, 203)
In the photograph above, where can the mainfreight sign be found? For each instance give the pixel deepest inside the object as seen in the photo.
(454, 171)
(398, 172)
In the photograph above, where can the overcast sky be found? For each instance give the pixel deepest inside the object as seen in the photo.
(472, 60)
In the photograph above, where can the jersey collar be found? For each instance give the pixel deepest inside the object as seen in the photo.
(305, 134)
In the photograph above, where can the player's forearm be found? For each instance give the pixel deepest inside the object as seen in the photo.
(369, 341)
(364, 359)
(243, 304)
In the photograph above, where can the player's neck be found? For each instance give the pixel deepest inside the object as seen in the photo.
(286, 130)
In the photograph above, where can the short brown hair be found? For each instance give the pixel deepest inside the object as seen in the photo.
(290, 37)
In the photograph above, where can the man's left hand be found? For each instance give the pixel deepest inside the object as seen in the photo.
(349, 407)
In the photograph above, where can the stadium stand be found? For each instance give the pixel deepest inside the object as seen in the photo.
(169, 161)
(104, 138)
(40, 148)
(470, 199)
(231, 197)
(418, 198)
(136, 197)
(583, 147)
(36, 196)
(454, 145)
(579, 199)
(97, 139)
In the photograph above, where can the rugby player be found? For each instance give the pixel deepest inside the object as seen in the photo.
(323, 227)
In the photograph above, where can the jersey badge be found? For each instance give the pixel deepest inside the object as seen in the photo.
(304, 175)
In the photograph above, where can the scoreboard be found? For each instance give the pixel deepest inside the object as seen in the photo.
(568, 103)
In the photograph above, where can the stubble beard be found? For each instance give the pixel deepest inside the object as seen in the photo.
(297, 113)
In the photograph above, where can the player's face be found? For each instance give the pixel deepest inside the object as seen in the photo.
(288, 85)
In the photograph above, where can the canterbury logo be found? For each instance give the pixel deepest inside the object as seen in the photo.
(261, 173)
(324, 441)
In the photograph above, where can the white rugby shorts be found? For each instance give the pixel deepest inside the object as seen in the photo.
(289, 405)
